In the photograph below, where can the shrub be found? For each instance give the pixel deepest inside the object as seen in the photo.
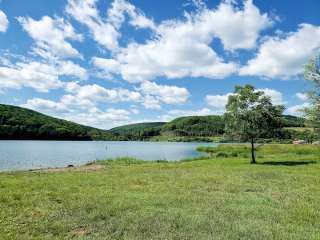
(234, 154)
(222, 155)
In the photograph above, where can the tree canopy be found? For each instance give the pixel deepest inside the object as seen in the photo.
(250, 115)
(312, 73)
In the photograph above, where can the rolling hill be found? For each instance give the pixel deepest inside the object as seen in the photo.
(20, 123)
(293, 121)
(196, 128)
(24, 124)
(193, 126)
(136, 127)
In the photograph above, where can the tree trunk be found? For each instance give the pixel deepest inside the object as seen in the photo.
(253, 158)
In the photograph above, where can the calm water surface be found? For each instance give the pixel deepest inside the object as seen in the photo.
(23, 155)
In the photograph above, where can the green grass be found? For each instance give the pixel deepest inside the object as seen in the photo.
(300, 129)
(216, 198)
(172, 138)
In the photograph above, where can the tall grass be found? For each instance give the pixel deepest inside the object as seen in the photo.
(243, 150)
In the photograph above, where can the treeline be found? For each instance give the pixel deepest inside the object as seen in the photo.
(293, 121)
(193, 127)
(24, 124)
(203, 128)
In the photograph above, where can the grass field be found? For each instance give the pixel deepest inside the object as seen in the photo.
(223, 197)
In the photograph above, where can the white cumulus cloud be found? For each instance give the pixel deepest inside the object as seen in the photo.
(172, 114)
(45, 105)
(151, 102)
(181, 48)
(104, 119)
(218, 101)
(90, 115)
(237, 28)
(285, 57)
(276, 96)
(296, 110)
(97, 93)
(40, 76)
(302, 96)
(105, 31)
(4, 22)
(165, 93)
(51, 36)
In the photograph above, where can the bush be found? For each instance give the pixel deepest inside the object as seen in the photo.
(222, 155)
(234, 154)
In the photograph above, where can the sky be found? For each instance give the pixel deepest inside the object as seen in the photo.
(106, 63)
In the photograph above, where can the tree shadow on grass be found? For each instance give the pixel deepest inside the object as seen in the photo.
(289, 163)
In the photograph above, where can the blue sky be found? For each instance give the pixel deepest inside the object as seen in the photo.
(106, 63)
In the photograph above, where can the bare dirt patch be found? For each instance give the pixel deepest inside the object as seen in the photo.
(85, 168)
(79, 232)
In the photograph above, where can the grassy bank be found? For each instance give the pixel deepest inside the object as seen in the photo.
(168, 138)
(223, 197)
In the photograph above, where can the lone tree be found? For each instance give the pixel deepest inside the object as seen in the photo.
(250, 115)
(312, 72)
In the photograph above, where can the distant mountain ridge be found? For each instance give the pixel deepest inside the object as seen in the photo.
(21, 123)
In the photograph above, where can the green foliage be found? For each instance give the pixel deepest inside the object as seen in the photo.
(312, 70)
(21, 123)
(293, 121)
(307, 134)
(226, 150)
(250, 115)
(204, 126)
(312, 73)
(138, 131)
(136, 127)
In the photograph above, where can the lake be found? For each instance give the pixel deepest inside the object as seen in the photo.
(24, 155)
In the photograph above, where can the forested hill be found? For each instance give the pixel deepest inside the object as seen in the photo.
(136, 127)
(194, 128)
(293, 121)
(21, 123)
